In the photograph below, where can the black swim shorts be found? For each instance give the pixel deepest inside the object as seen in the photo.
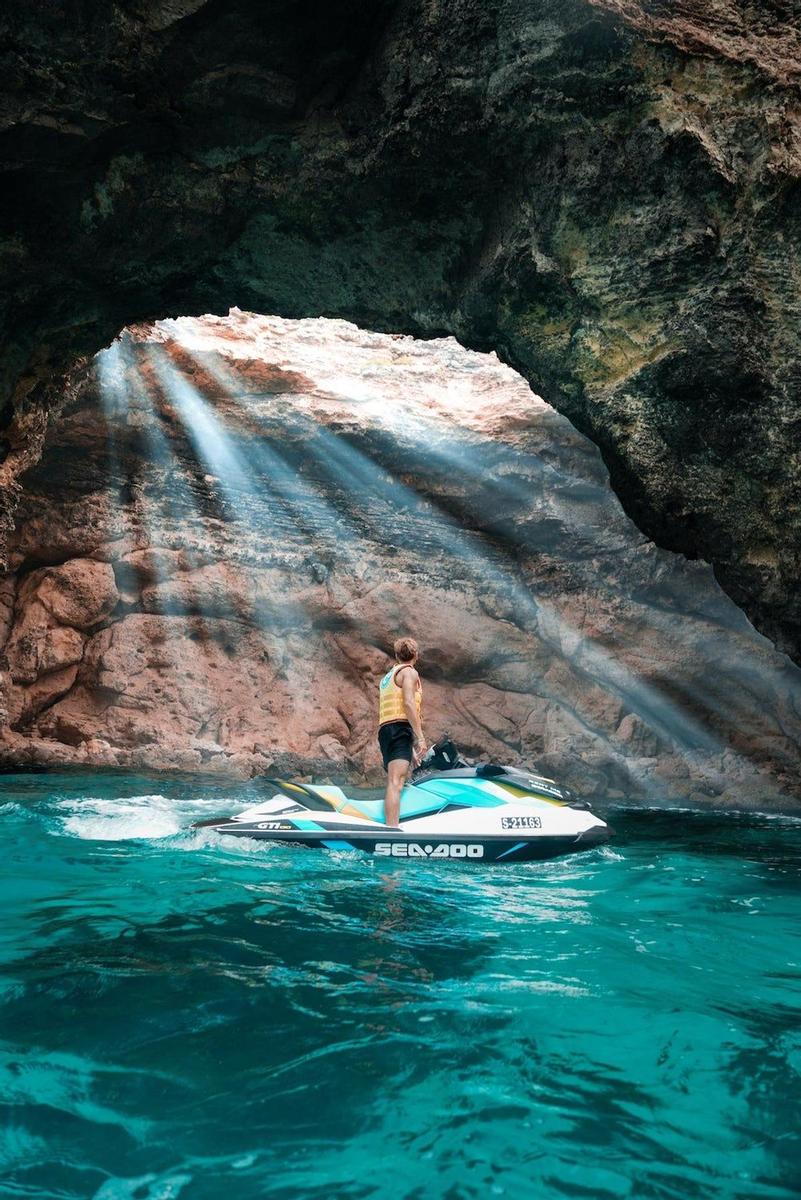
(395, 739)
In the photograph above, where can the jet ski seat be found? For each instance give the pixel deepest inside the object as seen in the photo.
(320, 799)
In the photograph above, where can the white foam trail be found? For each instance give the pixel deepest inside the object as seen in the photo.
(148, 817)
(120, 820)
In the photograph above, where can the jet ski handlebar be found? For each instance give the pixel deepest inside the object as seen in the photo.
(441, 756)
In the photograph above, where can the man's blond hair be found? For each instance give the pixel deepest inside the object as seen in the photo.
(405, 649)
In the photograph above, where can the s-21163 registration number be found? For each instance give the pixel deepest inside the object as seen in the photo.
(521, 823)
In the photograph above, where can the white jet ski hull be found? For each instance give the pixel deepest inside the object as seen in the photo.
(456, 815)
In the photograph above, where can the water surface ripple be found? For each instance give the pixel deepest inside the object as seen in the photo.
(187, 1017)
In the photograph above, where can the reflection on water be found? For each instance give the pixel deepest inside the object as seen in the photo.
(182, 1016)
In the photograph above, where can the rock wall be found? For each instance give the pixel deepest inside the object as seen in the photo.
(235, 517)
(604, 191)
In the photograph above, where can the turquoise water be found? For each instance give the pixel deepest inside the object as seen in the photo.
(186, 1017)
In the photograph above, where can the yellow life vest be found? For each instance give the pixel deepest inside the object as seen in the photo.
(390, 698)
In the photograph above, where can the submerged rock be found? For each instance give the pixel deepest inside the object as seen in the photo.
(233, 521)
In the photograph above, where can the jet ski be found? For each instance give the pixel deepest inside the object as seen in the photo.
(452, 809)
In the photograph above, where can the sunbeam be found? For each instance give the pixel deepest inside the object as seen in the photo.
(129, 409)
(381, 494)
(264, 487)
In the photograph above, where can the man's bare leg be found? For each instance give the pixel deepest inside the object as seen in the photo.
(397, 770)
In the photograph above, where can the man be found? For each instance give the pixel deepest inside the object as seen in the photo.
(400, 732)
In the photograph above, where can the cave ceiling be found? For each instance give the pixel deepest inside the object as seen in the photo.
(603, 191)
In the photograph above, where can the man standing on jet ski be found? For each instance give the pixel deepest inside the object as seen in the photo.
(400, 732)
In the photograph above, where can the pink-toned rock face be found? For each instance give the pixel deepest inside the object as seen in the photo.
(233, 524)
(79, 593)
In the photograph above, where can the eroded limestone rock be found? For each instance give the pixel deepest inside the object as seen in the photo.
(243, 512)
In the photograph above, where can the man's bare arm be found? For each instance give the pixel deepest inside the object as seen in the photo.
(409, 687)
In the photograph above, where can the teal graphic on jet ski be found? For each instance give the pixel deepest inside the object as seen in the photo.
(451, 810)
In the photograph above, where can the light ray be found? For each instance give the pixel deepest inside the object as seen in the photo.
(380, 492)
(250, 498)
(353, 491)
(128, 403)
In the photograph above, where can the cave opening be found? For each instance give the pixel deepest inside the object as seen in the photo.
(235, 516)
(211, 529)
